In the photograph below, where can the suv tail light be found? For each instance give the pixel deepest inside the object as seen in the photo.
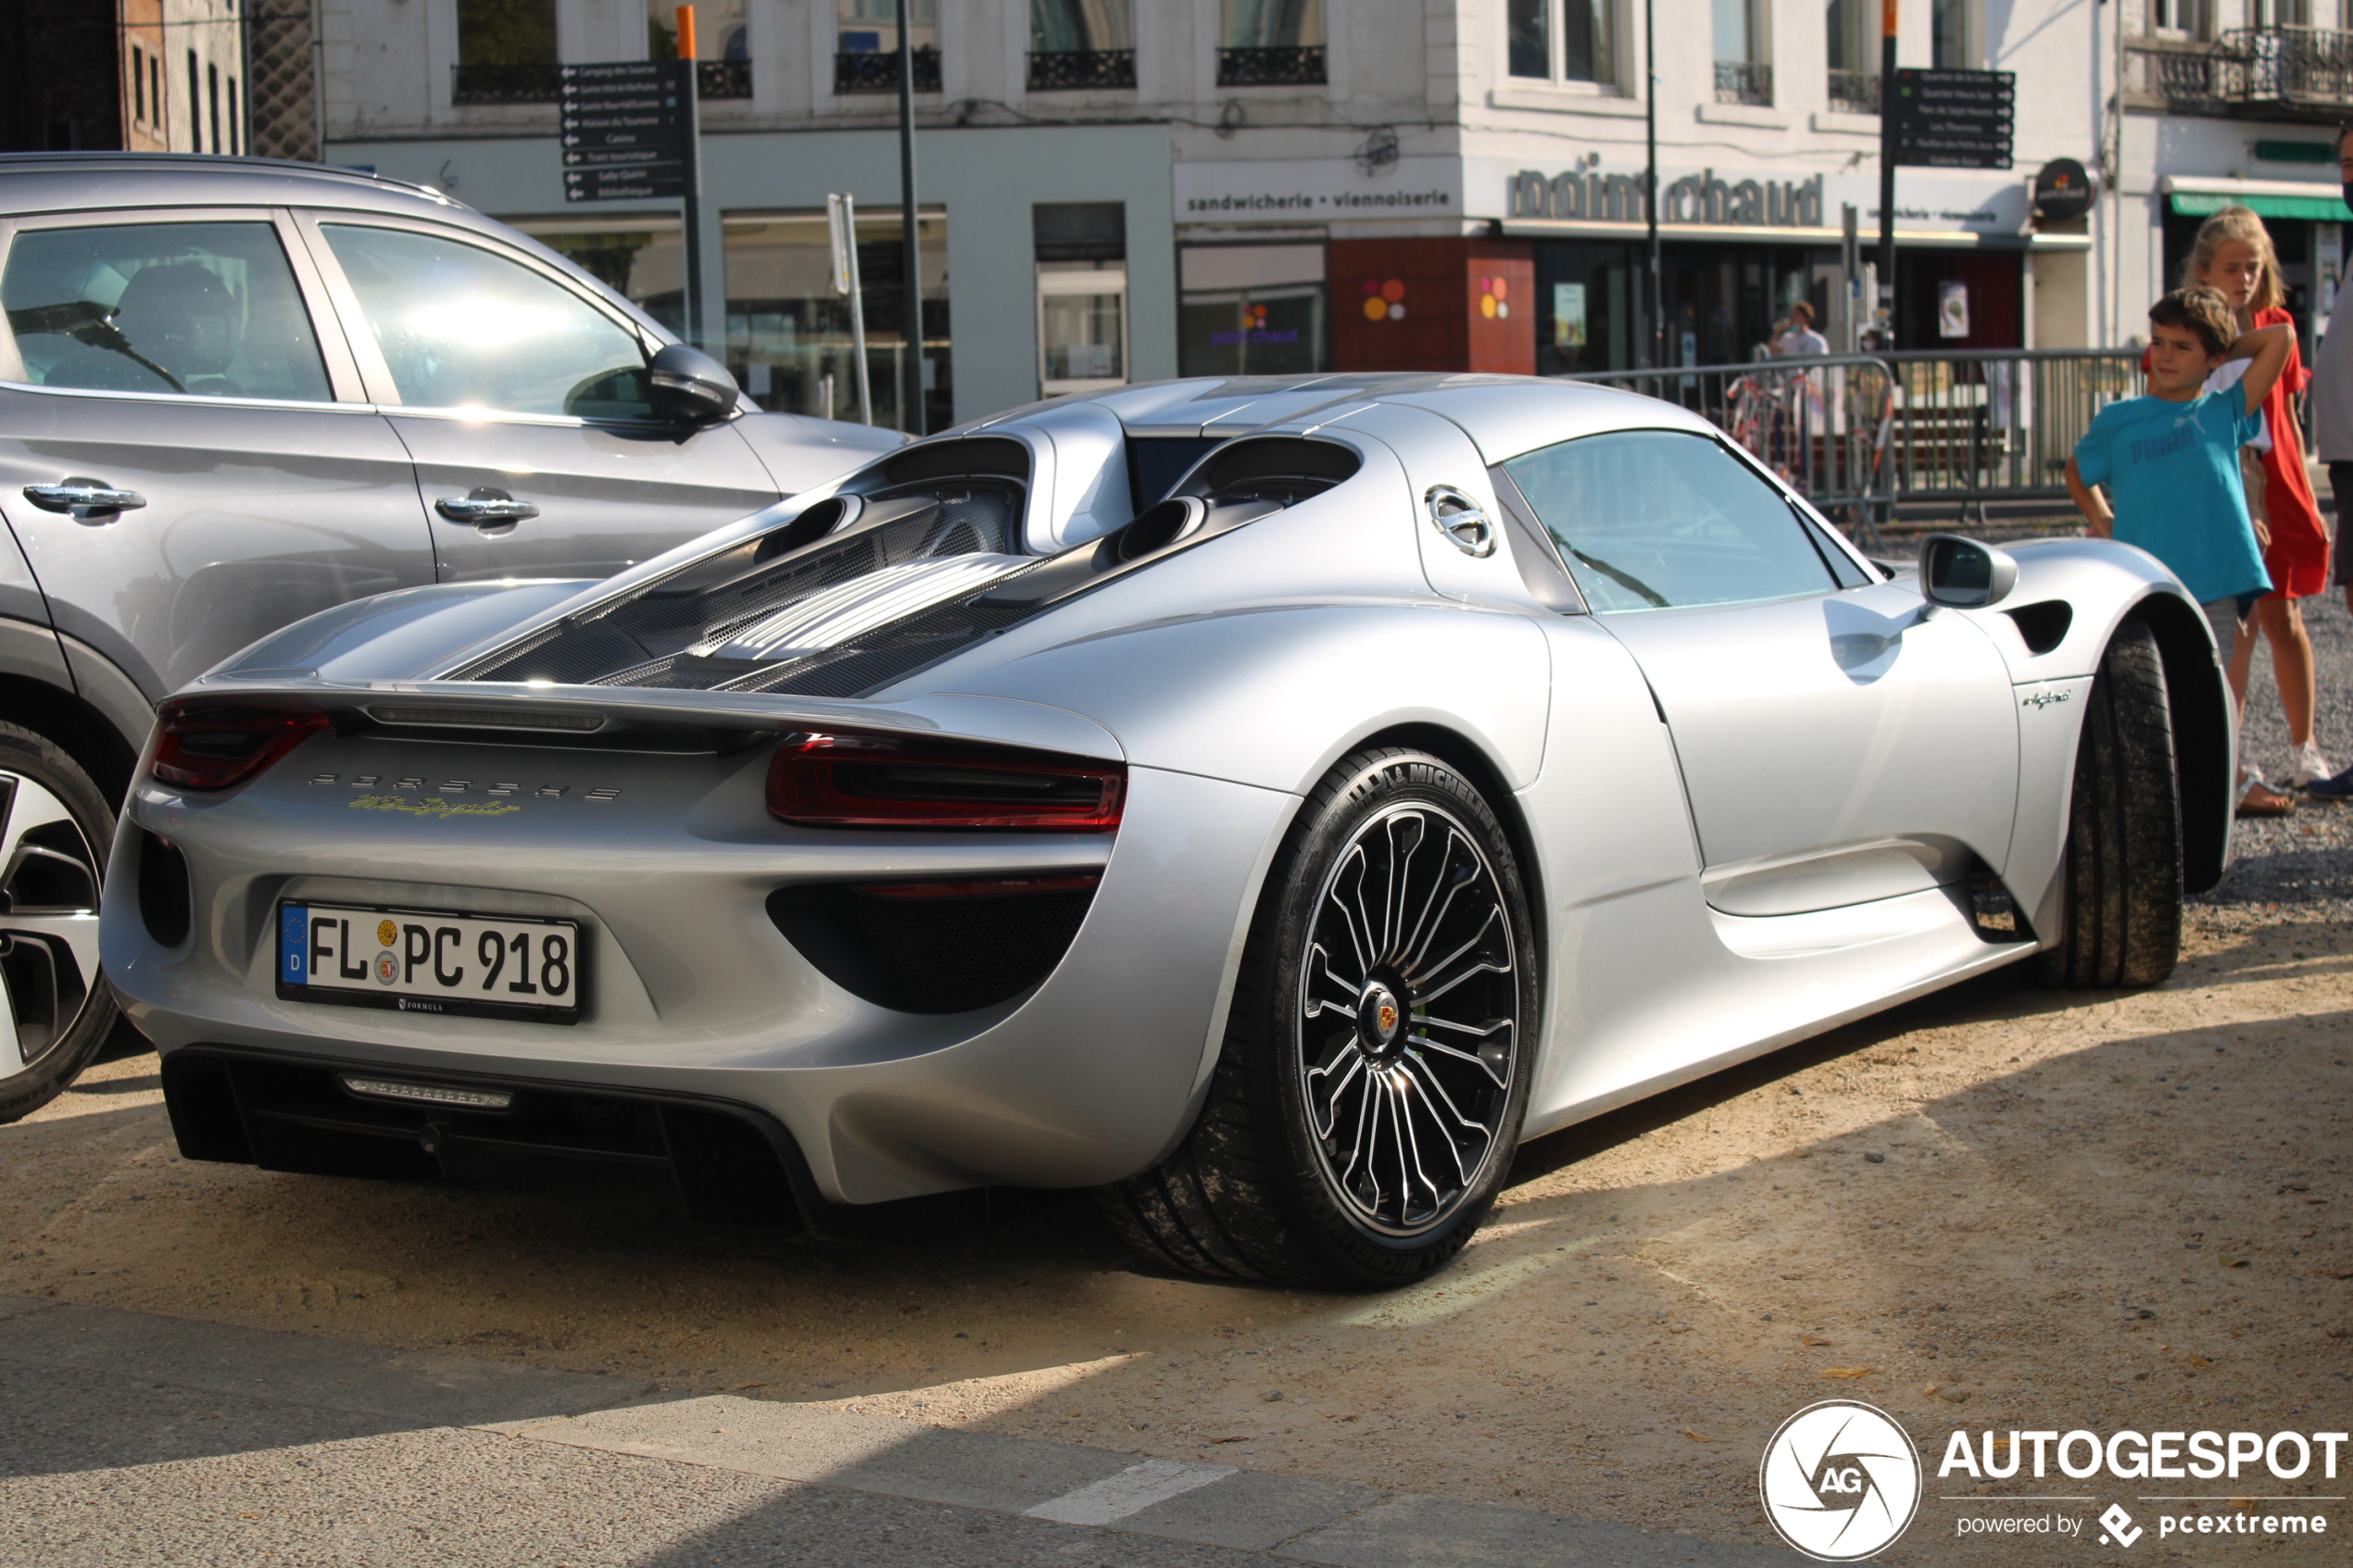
(209, 748)
(851, 780)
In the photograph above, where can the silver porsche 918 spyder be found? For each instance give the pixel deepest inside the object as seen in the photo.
(1266, 802)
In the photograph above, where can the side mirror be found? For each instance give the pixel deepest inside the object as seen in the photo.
(1964, 574)
(690, 386)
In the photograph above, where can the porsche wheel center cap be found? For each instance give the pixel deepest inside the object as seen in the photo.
(1380, 1019)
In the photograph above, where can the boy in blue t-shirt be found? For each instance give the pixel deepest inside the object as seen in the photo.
(2171, 458)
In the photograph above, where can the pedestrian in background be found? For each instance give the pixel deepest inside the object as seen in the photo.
(1800, 338)
(2233, 255)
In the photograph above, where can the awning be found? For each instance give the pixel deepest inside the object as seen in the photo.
(2193, 196)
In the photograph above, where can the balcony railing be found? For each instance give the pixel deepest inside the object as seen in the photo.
(1855, 92)
(723, 79)
(1072, 70)
(877, 73)
(533, 83)
(542, 83)
(1744, 81)
(2263, 72)
(1297, 65)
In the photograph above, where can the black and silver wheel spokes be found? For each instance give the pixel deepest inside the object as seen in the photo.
(48, 921)
(1408, 1018)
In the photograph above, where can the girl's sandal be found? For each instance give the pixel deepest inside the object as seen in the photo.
(2260, 799)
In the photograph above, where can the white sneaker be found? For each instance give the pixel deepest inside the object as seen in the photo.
(2309, 765)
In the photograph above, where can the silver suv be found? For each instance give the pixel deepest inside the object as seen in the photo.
(235, 391)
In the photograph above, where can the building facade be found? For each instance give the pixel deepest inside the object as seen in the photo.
(2230, 101)
(1118, 190)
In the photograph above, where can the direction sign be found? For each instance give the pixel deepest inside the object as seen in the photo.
(1953, 118)
(624, 131)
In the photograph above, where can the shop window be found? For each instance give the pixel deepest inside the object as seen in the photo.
(1252, 311)
(1082, 295)
(1586, 305)
(1081, 43)
(1271, 43)
(1588, 39)
(1743, 69)
(866, 46)
(1852, 31)
(506, 52)
(788, 333)
(1950, 44)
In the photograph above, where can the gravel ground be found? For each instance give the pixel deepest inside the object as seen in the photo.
(2306, 858)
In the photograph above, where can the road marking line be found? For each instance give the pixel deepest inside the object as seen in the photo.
(1133, 1490)
(1451, 1294)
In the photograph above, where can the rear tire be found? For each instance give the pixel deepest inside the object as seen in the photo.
(2122, 922)
(1376, 1066)
(55, 830)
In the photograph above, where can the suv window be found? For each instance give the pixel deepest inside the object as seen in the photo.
(205, 308)
(460, 327)
(1660, 519)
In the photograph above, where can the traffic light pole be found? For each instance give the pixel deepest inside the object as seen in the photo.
(1887, 167)
(690, 201)
(911, 408)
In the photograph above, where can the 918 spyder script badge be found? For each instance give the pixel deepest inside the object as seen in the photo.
(431, 806)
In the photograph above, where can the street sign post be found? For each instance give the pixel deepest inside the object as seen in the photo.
(623, 132)
(841, 230)
(1955, 119)
(631, 131)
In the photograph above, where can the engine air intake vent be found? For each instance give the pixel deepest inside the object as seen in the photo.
(991, 456)
(1277, 468)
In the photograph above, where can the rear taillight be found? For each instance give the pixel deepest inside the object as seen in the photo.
(864, 779)
(212, 747)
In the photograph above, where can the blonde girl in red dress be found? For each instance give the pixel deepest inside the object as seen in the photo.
(2233, 255)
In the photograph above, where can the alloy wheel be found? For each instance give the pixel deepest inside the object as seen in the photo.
(1409, 1026)
(49, 876)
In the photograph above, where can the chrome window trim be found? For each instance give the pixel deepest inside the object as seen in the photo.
(283, 404)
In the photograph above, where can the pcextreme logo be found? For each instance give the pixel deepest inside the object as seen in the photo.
(1840, 1480)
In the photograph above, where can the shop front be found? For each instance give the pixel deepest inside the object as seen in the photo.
(2305, 221)
(1740, 248)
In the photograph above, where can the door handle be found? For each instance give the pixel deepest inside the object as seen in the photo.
(84, 500)
(486, 507)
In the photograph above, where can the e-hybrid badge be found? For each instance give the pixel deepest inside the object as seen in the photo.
(430, 960)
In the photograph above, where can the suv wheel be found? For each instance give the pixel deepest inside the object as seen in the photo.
(54, 1011)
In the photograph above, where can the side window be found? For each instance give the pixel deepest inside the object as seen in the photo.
(209, 309)
(462, 328)
(1661, 519)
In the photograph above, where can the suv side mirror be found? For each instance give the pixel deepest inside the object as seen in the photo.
(1964, 574)
(690, 386)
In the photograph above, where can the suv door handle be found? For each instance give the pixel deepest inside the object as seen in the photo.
(84, 500)
(486, 509)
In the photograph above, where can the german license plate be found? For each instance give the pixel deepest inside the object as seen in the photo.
(431, 961)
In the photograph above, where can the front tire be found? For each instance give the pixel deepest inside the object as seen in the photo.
(54, 1011)
(1376, 1061)
(2122, 923)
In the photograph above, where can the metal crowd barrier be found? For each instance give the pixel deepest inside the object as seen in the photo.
(1906, 441)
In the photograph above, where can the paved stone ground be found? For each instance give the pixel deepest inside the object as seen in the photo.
(130, 1438)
